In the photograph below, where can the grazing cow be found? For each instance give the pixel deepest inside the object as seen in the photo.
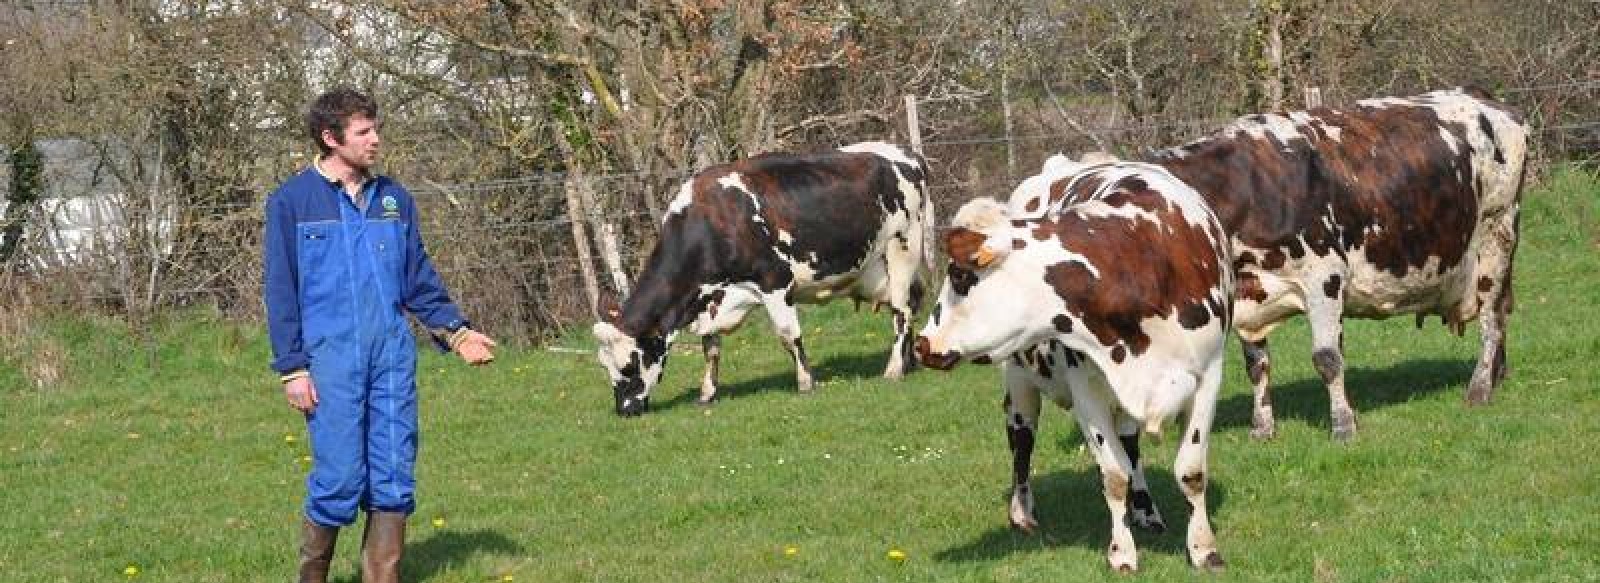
(1392, 206)
(773, 230)
(1116, 303)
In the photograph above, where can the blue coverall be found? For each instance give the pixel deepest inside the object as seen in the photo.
(339, 280)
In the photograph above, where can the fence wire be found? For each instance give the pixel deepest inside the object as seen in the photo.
(507, 245)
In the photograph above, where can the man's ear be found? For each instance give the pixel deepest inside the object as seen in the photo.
(330, 139)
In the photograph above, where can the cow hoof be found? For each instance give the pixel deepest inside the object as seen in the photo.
(705, 402)
(1125, 569)
(1027, 526)
(1479, 393)
(1263, 433)
(1344, 434)
(1213, 563)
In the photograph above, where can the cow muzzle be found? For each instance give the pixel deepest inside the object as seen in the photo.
(930, 359)
(632, 406)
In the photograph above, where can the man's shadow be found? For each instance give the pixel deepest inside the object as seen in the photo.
(444, 550)
(1071, 510)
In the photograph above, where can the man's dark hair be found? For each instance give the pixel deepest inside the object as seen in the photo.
(332, 111)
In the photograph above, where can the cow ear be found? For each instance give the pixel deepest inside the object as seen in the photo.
(610, 310)
(967, 249)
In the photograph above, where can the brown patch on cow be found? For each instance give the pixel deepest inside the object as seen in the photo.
(1018, 244)
(1193, 316)
(1296, 250)
(1148, 268)
(1033, 205)
(1062, 323)
(1134, 191)
(1274, 260)
(1331, 287)
(964, 246)
(1249, 288)
(1245, 258)
(1085, 187)
(1390, 169)
(1485, 283)
(1116, 484)
(1194, 484)
(1118, 354)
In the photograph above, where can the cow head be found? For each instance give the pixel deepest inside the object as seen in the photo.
(633, 364)
(985, 304)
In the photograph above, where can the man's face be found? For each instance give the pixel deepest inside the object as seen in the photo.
(359, 144)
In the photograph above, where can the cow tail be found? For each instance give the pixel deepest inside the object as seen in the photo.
(930, 224)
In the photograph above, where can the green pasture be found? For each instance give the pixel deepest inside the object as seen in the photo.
(174, 453)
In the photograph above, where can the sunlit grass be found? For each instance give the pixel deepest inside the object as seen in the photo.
(176, 459)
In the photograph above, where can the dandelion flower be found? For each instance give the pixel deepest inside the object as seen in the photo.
(507, 577)
(131, 570)
(791, 550)
(897, 555)
(289, 438)
(438, 522)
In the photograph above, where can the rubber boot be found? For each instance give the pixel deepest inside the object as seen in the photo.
(382, 543)
(316, 550)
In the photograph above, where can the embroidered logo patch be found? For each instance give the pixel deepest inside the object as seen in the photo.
(391, 207)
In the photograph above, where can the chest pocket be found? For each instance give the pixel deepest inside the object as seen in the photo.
(320, 264)
(315, 242)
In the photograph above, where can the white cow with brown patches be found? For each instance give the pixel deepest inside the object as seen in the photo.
(1384, 207)
(1115, 302)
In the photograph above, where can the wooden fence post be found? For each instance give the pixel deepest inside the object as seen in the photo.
(575, 217)
(913, 125)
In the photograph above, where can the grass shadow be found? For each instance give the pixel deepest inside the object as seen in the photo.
(1071, 511)
(446, 550)
(841, 366)
(1367, 388)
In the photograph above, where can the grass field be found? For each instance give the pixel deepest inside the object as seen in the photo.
(176, 455)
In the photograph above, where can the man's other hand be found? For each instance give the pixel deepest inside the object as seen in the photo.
(474, 347)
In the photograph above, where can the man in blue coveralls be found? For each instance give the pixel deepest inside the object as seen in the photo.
(344, 263)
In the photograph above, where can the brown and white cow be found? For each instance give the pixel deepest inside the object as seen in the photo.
(1390, 206)
(1115, 304)
(772, 231)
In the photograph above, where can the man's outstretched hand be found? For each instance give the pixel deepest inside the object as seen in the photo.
(474, 347)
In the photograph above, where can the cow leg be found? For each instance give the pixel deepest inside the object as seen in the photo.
(786, 322)
(1141, 507)
(1022, 424)
(711, 344)
(1325, 307)
(901, 268)
(1190, 466)
(1494, 308)
(1095, 421)
(1258, 366)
